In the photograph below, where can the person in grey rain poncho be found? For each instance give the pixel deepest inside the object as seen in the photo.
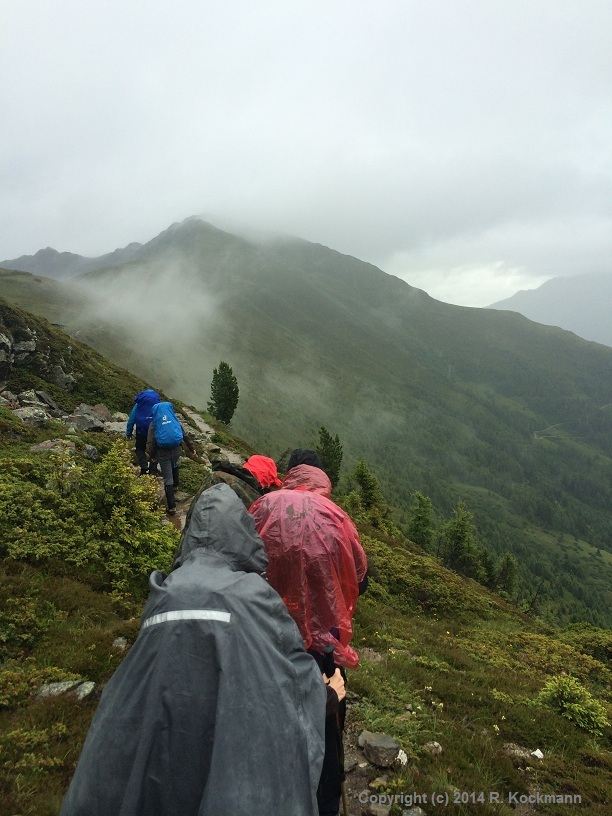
(216, 710)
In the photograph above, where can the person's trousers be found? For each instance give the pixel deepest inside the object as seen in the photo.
(146, 466)
(170, 471)
(329, 791)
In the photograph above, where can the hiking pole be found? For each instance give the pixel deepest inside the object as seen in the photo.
(329, 669)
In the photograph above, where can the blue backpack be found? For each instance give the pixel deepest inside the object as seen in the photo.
(166, 427)
(145, 401)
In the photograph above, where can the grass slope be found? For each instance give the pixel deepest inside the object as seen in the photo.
(441, 658)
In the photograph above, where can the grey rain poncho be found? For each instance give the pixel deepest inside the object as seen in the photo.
(216, 710)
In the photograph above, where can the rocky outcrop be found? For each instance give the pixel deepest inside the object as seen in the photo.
(22, 344)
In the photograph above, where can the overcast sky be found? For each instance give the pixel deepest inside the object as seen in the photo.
(463, 145)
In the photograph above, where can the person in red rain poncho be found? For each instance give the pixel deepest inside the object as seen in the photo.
(264, 470)
(317, 565)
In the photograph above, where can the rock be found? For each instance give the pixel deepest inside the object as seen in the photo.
(415, 811)
(379, 749)
(376, 810)
(65, 381)
(24, 347)
(29, 399)
(433, 748)
(102, 411)
(120, 644)
(115, 427)
(55, 689)
(91, 453)
(119, 416)
(47, 400)
(33, 416)
(53, 444)
(537, 754)
(518, 754)
(83, 690)
(4, 402)
(83, 420)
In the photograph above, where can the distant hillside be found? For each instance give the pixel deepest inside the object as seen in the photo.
(512, 417)
(60, 265)
(580, 304)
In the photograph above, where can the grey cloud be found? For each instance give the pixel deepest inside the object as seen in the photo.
(448, 135)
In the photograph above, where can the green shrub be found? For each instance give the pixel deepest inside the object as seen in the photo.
(110, 525)
(23, 619)
(574, 702)
(19, 681)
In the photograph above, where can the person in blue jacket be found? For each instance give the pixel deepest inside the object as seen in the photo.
(141, 417)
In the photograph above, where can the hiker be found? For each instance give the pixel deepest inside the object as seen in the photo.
(141, 417)
(216, 709)
(264, 470)
(249, 481)
(164, 439)
(304, 456)
(318, 566)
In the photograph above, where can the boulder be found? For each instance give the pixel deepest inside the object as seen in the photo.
(61, 378)
(33, 416)
(379, 749)
(55, 689)
(30, 399)
(91, 453)
(53, 444)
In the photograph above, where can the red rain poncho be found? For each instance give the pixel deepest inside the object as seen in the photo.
(315, 559)
(263, 469)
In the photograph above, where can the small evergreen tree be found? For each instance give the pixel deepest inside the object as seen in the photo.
(420, 528)
(507, 574)
(489, 570)
(367, 482)
(329, 450)
(457, 544)
(224, 393)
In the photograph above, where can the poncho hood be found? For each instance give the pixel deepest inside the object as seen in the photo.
(219, 523)
(263, 469)
(308, 477)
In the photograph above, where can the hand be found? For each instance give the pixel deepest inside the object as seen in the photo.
(128, 436)
(336, 682)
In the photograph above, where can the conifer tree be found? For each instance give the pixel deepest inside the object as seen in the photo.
(368, 485)
(507, 574)
(457, 544)
(224, 393)
(329, 450)
(420, 529)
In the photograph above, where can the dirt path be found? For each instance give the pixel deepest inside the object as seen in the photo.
(204, 427)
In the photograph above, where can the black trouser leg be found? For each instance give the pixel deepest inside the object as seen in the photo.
(141, 452)
(170, 500)
(175, 476)
(329, 791)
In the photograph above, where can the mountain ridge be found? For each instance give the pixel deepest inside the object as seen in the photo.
(578, 303)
